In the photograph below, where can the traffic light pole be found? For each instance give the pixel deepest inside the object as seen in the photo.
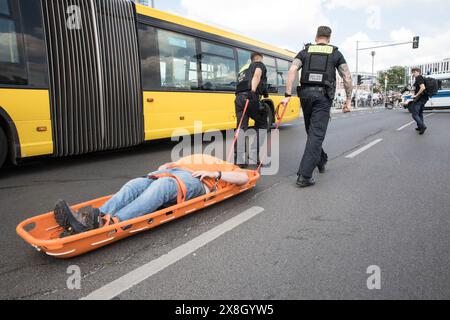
(415, 44)
(357, 75)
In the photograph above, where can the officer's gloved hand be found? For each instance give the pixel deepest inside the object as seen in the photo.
(266, 95)
(252, 96)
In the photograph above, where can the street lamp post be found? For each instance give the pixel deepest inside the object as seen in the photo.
(373, 77)
(385, 89)
(357, 60)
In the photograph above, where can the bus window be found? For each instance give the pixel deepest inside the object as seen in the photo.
(272, 85)
(149, 58)
(178, 61)
(282, 73)
(4, 8)
(34, 39)
(218, 67)
(9, 51)
(12, 65)
(243, 57)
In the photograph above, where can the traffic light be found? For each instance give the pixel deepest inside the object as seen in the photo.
(359, 80)
(416, 42)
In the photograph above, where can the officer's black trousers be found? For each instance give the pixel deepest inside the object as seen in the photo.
(316, 111)
(260, 118)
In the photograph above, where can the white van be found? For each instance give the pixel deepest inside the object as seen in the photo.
(440, 101)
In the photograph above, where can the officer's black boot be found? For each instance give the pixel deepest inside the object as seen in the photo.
(323, 162)
(303, 182)
(322, 165)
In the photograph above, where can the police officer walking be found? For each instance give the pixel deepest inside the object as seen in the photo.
(316, 91)
(252, 83)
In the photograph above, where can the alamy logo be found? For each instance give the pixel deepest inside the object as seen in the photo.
(374, 281)
(74, 281)
(74, 19)
(374, 17)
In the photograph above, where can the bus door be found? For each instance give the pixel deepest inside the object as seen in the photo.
(95, 86)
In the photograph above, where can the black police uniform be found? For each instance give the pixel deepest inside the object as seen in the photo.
(317, 90)
(255, 109)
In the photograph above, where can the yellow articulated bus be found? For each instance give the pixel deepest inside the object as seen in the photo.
(82, 76)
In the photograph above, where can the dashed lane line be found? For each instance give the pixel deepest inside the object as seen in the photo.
(412, 122)
(365, 148)
(131, 279)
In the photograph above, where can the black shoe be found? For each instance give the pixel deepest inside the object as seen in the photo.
(303, 182)
(322, 166)
(61, 216)
(422, 131)
(417, 129)
(77, 222)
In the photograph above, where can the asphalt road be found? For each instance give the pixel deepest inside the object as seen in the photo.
(389, 206)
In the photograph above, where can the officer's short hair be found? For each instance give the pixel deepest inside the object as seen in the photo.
(256, 54)
(416, 69)
(324, 32)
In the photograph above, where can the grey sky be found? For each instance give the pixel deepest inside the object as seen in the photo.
(291, 23)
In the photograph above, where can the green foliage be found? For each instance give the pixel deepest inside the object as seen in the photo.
(396, 76)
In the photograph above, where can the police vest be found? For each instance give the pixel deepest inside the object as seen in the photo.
(319, 67)
(245, 78)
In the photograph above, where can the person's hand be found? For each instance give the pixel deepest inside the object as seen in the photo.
(266, 95)
(205, 174)
(285, 101)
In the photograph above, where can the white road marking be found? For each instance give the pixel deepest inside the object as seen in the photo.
(126, 282)
(411, 123)
(405, 126)
(365, 148)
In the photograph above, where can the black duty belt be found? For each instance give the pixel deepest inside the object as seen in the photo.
(313, 88)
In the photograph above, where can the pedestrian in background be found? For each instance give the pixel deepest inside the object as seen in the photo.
(420, 100)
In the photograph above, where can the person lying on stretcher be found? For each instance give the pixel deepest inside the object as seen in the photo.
(199, 174)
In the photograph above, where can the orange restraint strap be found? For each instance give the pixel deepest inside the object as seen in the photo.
(182, 190)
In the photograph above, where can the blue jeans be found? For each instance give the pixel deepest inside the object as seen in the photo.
(142, 196)
(417, 109)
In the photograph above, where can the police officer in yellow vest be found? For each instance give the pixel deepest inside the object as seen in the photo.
(316, 91)
(252, 84)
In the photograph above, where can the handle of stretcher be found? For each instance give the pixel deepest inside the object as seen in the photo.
(236, 135)
(280, 119)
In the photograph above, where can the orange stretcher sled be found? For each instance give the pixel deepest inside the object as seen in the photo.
(43, 232)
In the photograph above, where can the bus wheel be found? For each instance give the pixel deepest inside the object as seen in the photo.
(3, 147)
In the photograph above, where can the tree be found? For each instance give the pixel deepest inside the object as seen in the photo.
(396, 77)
